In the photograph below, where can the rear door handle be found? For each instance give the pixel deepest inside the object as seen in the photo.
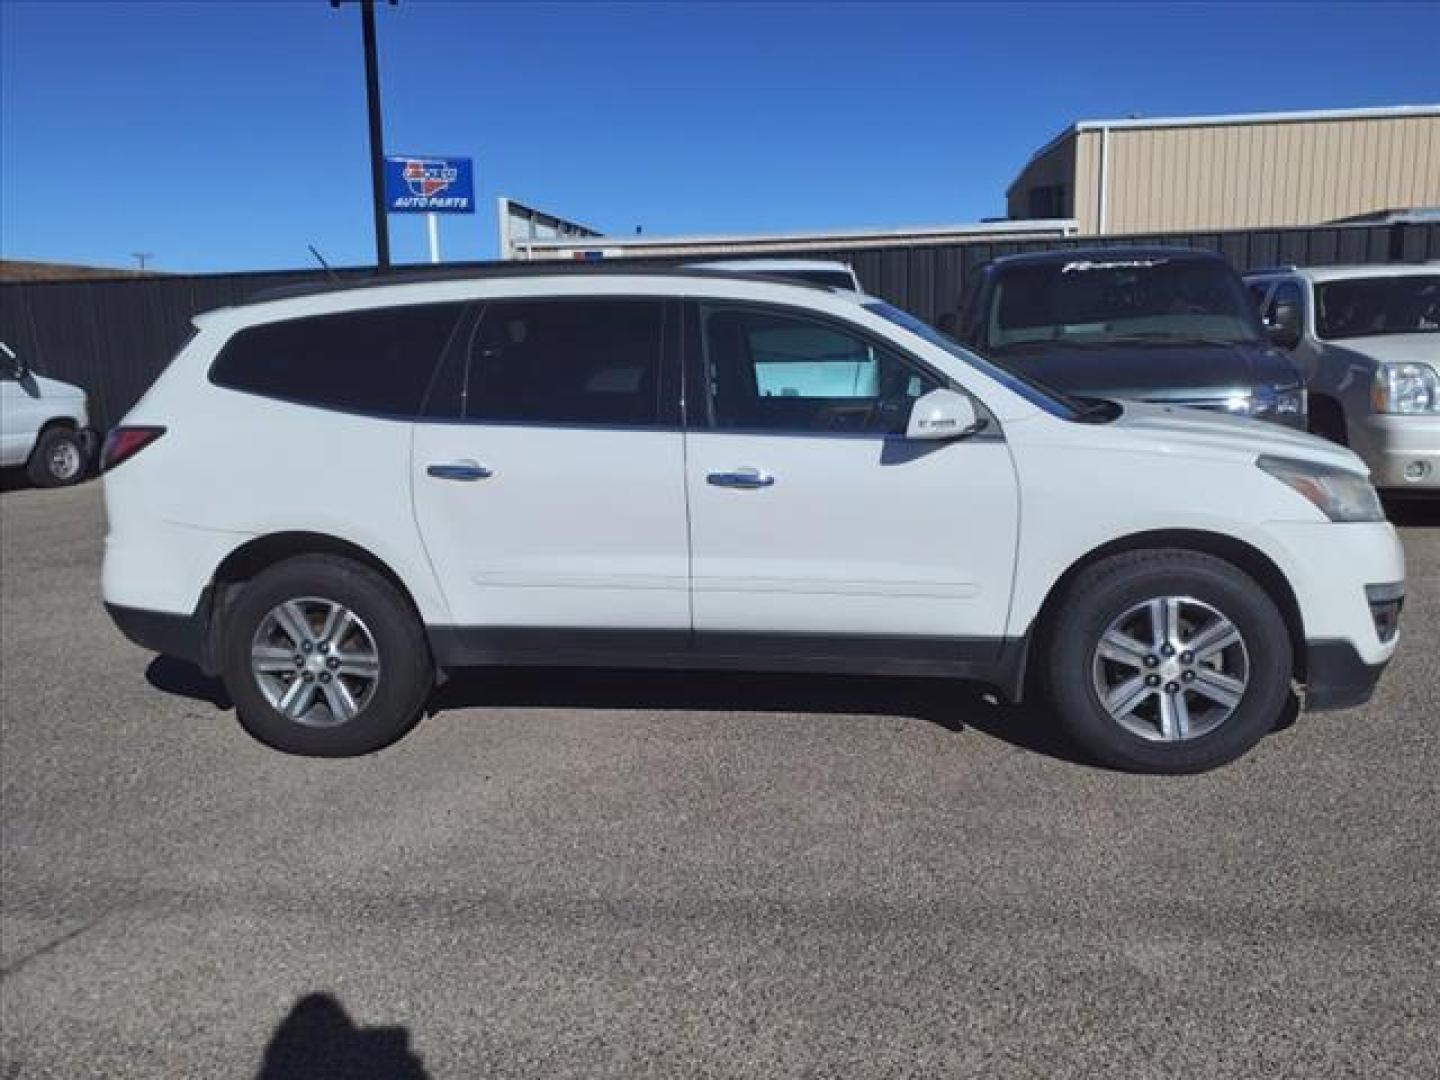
(741, 478)
(458, 470)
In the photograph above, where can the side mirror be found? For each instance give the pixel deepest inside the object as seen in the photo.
(15, 367)
(942, 414)
(1284, 330)
(1287, 337)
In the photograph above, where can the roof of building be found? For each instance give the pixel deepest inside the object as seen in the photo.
(716, 243)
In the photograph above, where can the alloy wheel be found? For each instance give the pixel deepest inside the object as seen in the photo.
(1171, 669)
(315, 661)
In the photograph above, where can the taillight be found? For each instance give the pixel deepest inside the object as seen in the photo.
(123, 443)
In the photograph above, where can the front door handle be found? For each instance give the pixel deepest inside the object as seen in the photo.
(458, 470)
(741, 478)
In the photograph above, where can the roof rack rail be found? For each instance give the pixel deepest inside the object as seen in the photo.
(545, 268)
(1278, 268)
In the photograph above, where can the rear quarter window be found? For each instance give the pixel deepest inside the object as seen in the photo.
(378, 361)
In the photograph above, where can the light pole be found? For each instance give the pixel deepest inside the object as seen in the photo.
(377, 135)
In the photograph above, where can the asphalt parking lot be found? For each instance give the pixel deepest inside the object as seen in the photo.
(572, 874)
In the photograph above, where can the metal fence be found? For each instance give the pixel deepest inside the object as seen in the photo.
(113, 337)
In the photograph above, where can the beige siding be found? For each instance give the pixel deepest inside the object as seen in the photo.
(1262, 175)
(1244, 175)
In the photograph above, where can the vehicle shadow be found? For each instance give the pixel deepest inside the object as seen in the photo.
(946, 703)
(318, 1039)
(13, 478)
(1412, 512)
(183, 679)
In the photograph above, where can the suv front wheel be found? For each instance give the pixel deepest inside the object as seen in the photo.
(1168, 661)
(323, 656)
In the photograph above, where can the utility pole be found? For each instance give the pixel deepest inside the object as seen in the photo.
(377, 135)
(142, 257)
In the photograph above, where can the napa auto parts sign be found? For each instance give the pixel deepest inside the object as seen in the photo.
(429, 185)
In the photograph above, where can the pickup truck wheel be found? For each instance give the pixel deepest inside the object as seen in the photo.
(1168, 661)
(324, 657)
(58, 459)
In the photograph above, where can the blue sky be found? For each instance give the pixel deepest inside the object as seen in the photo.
(228, 135)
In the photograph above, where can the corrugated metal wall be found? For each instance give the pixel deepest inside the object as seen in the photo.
(114, 337)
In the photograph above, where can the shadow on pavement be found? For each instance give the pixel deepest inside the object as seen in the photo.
(184, 679)
(946, 703)
(1414, 511)
(318, 1039)
(951, 705)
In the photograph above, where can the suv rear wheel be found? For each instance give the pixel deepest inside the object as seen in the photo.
(324, 656)
(1168, 661)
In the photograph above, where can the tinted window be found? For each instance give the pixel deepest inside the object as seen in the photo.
(1148, 298)
(835, 279)
(1380, 305)
(778, 372)
(378, 361)
(566, 361)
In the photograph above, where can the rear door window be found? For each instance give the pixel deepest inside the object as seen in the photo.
(557, 361)
(378, 362)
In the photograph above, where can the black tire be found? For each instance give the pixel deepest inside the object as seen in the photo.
(58, 459)
(1104, 592)
(406, 672)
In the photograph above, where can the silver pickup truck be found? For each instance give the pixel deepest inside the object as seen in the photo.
(1367, 341)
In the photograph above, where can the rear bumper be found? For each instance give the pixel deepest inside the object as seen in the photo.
(1336, 677)
(181, 636)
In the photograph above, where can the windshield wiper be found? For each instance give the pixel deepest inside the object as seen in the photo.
(1160, 337)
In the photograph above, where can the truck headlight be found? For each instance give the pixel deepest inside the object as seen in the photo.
(1339, 494)
(1267, 402)
(1290, 401)
(1406, 389)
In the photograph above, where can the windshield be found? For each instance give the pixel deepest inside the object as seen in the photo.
(1037, 393)
(1149, 299)
(1361, 307)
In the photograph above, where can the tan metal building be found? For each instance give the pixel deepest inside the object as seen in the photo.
(1261, 170)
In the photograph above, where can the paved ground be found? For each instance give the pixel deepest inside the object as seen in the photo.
(590, 875)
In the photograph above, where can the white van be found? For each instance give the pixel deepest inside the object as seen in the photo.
(330, 498)
(44, 424)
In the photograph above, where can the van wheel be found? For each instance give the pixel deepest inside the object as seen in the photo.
(1168, 661)
(323, 656)
(58, 459)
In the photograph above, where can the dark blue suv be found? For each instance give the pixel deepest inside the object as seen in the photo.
(1170, 325)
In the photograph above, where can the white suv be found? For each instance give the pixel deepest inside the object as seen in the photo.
(331, 499)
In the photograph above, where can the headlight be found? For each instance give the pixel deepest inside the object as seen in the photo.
(1339, 494)
(1406, 389)
(1290, 401)
(1286, 401)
